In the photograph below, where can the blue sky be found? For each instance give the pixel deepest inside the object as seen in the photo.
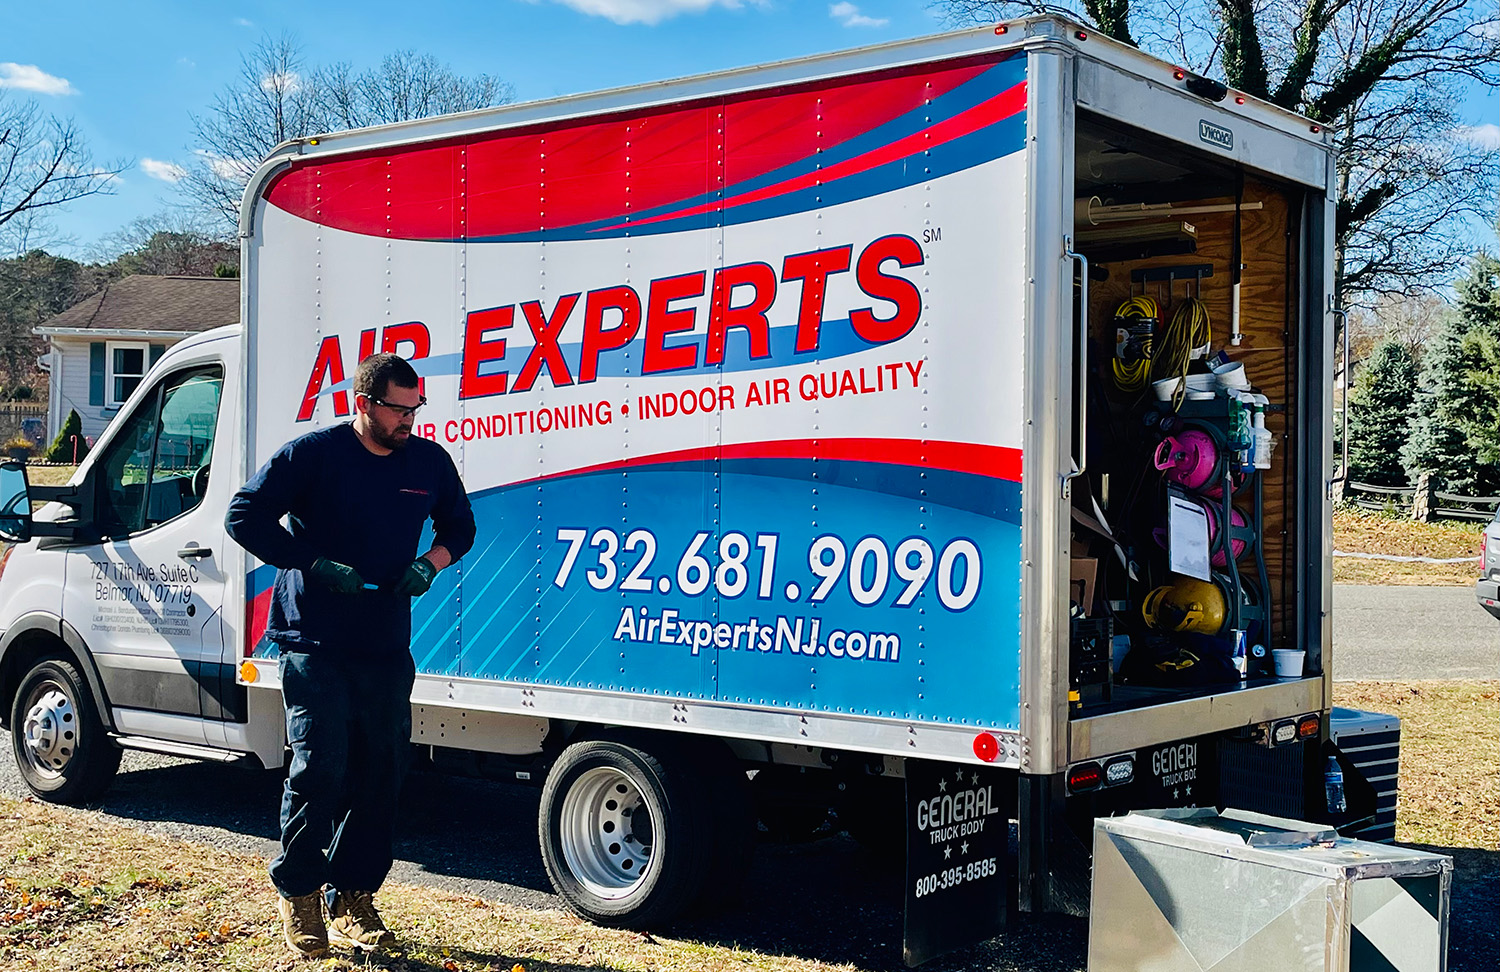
(131, 74)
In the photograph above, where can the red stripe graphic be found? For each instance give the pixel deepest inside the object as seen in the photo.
(996, 462)
(258, 617)
(573, 172)
(987, 112)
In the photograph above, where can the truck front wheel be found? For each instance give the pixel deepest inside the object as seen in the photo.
(626, 835)
(59, 741)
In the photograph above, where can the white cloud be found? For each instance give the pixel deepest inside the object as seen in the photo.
(1486, 136)
(29, 77)
(165, 171)
(242, 22)
(237, 170)
(284, 82)
(649, 11)
(848, 14)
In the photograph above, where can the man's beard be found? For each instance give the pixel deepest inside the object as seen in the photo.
(391, 440)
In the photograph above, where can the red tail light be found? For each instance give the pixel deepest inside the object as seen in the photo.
(1085, 776)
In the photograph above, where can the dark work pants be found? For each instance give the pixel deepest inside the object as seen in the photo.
(348, 721)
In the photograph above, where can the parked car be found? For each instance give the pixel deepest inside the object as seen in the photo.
(1487, 588)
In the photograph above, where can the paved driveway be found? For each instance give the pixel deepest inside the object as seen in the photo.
(1412, 632)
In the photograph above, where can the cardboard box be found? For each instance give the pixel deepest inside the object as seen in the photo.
(1083, 574)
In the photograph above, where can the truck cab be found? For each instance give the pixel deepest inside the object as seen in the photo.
(114, 612)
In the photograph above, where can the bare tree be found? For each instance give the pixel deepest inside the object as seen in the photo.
(31, 230)
(1383, 75)
(277, 97)
(175, 242)
(1413, 322)
(272, 100)
(44, 163)
(406, 85)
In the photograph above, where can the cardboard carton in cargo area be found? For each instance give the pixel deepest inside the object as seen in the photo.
(1082, 576)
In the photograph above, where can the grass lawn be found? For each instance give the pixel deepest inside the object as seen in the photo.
(1364, 531)
(49, 475)
(80, 892)
(1450, 794)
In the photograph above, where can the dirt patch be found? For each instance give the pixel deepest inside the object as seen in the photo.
(1364, 531)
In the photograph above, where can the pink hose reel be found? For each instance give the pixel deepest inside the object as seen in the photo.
(1191, 459)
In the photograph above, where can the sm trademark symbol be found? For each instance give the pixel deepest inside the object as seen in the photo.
(932, 234)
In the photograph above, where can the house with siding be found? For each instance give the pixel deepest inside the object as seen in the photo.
(101, 348)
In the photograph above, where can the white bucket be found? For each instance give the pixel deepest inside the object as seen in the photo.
(1231, 375)
(1288, 662)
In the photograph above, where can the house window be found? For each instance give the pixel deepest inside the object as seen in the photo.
(127, 366)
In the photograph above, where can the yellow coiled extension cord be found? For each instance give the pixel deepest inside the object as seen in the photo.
(1189, 328)
(1132, 376)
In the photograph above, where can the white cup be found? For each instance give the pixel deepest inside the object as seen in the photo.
(1288, 662)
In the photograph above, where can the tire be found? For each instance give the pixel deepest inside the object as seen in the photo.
(627, 835)
(59, 741)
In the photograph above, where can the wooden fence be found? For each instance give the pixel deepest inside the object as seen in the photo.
(25, 418)
(1423, 501)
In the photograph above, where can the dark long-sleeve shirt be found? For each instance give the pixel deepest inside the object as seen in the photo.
(346, 504)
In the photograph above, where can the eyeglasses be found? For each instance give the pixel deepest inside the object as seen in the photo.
(405, 411)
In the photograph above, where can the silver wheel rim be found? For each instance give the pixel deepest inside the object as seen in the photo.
(606, 833)
(49, 732)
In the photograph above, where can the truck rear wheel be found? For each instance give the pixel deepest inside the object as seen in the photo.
(627, 836)
(59, 741)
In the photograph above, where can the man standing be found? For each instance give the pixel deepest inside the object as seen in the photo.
(356, 497)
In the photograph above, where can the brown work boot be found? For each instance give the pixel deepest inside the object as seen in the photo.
(302, 924)
(356, 922)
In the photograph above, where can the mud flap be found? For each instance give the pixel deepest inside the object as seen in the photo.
(958, 874)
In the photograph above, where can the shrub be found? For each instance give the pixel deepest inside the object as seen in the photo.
(61, 449)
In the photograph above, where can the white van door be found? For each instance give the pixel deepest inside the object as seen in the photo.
(147, 598)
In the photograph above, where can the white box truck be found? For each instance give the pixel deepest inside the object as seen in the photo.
(850, 433)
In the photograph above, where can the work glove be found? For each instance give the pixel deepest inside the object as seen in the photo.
(417, 578)
(339, 578)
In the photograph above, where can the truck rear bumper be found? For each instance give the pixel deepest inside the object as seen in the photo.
(1488, 593)
(1216, 710)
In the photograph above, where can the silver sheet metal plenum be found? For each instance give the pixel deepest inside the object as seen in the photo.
(1196, 890)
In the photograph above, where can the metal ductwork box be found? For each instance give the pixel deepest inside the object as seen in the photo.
(1232, 891)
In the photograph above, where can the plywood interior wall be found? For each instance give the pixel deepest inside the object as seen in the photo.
(1268, 347)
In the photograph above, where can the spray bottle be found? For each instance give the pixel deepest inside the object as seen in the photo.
(1241, 438)
(1263, 441)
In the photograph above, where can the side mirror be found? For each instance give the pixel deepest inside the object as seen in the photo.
(15, 503)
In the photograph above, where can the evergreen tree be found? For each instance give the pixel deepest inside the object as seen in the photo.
(1380, 415)
(1483, 427)
(1455, 437)
(61, 449)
